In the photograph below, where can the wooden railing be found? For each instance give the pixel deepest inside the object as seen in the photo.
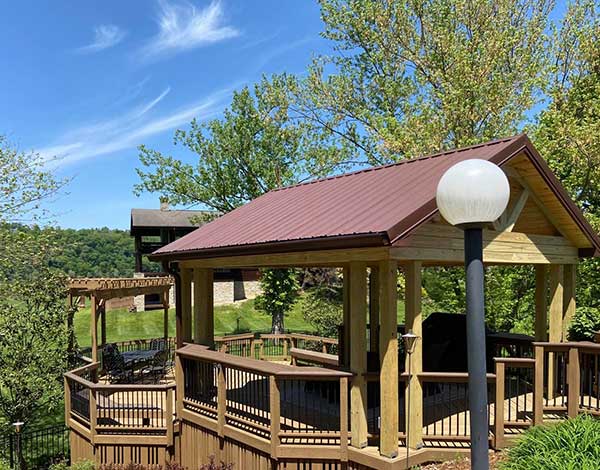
(277, 404)
(446, 414)
(104, 409)
(273, 347)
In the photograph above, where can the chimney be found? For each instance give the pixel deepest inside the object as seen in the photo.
(164, 203)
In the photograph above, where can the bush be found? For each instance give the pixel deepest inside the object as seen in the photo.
(322, 307)
(570, 445)
(81, 465)
(585, 323)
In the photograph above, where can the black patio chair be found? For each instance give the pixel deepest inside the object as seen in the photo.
(114, 365)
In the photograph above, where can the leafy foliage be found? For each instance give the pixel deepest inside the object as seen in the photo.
(573, 444)
(412, 77)
(24, 183)
(33, 326)
(585, 323)
(255, 147)
(280, 291)
(322, 307)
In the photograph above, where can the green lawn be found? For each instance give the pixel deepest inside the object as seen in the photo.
(122, 325)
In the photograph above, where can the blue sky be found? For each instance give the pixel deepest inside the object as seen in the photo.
(90, 81)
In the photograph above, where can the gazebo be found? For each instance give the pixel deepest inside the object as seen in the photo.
(372, 223)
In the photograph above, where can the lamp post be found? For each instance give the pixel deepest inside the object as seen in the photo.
(469, 195)
(409, 347)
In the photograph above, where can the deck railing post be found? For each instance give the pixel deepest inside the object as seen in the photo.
(344, 419)
(67, 400)
(169, 421)
(93, 414)
(221, 399)
(499, 408)
(180, 386)
(275, 411)
(573, 378)
(538, 386)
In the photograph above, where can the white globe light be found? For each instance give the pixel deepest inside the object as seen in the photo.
(472, 192)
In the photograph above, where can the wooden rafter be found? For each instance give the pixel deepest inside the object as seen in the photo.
(508, 220)
(110, 288)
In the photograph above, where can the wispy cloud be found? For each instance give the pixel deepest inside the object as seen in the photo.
(105, 36)
(182, 26)
(128, 130)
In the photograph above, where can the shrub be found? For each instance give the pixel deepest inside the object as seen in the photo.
(212, 465)
(585, 323)
(570, 445)
(80, 465)
(322, 307)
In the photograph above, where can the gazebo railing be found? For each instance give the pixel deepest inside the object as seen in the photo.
(278, 404)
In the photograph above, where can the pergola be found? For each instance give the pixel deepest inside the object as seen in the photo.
(100, 290)
(372, 223)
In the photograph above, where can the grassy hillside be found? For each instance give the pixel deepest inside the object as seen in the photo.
(122, 325)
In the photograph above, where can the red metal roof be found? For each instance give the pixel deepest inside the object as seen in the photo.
(370, 207)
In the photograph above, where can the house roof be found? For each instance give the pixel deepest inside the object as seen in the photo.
(372, 207)
(161, 218)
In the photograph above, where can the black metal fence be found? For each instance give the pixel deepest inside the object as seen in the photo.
(35, 449)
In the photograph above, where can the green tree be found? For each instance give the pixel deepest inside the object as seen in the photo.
(257, 146)
(24, 183)
(33, 326)
(568, 132)
(279, 292)
(412, 77)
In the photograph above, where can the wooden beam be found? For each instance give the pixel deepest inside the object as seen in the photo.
(165, 302)
(358, 353)
(555, 315)
(203, 307)
(94, 327)
(306, 258)
(569, 303)
(414, 361)
(103, 325)
(186, 304)
(445, 244)
(344, 340)
(388, 340)
(556, 303)
(374, 302)
(508, 220)
(541, 303)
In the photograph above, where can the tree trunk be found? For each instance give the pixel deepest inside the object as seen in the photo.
(277, 323)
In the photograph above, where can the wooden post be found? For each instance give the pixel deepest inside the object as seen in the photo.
(94, 327)
(541, 302)
(414, 361)
(358, 353)
(67, 400)
(538, 386)
(569, 304)
(103, 324)
(374, 302)
(573, 380)
(499, 407)
(186, 304)
(165, 302)
(344, 419)
(169, 419)
(344, 351)
(221, 400)
(388, 340)
(275, 403)
(179, 386)
(203, 307)
(555, 320)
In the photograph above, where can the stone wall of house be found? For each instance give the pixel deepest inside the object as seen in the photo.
(225, 292)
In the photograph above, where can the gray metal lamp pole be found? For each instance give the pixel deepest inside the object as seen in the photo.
(471, 194)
